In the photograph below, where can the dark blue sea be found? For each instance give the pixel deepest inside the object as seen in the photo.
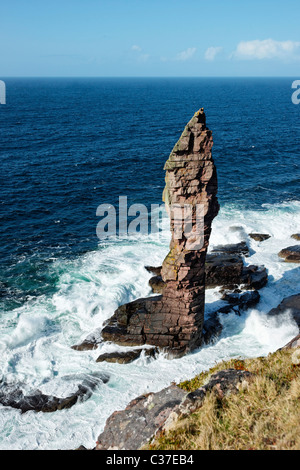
(70, 145)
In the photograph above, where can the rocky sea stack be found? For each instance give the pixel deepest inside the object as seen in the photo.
(174, 319)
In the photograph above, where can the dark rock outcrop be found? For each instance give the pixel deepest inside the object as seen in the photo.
(241, 301)
(291, 304)
(174, 320)
(147, 415)
(291, 254)
(14, 397)
(90, 343)
(125, 357)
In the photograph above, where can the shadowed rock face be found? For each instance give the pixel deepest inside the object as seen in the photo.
(174, 320)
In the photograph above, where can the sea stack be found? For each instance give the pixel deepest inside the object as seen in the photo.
(174, 320)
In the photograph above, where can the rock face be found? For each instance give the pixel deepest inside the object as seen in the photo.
(174, 320)
(147, 415)
(291, 304)
(223, 270)
(291, 254)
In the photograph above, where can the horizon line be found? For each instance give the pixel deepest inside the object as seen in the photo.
(146, 76)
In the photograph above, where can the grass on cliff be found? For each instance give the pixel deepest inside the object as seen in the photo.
(264, 416)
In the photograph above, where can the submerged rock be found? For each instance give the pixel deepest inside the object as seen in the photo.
(291, 254)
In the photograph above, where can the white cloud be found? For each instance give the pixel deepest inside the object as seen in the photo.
(136, 48)
(211, 52)
(144, 57)
(140, 55)
(187, 54)
(266, 49)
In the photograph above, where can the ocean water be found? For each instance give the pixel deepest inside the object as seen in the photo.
(69, 145)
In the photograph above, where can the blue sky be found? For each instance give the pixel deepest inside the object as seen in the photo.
(150, 38)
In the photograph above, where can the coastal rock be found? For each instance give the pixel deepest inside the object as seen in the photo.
(148, 415)
(175, 319)
(14, 397)
(296, 236)
(291, 304)
(222, 270)
(240, 248)
(90, 343)
(291, 254)
(241, 301)
(156, 270)
(222, 383)
(254, 277)
(157, 284)
(132, 428)
(294, 343)
(85, 346)
(125, 357)
(259, 237)
(212, 328)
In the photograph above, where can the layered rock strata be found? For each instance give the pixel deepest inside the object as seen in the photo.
(174, 320)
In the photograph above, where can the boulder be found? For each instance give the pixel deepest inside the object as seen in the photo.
(259, 237)
(157, 284)
(296, 236)
(291, 304)
(14, 397)
(291, 254)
